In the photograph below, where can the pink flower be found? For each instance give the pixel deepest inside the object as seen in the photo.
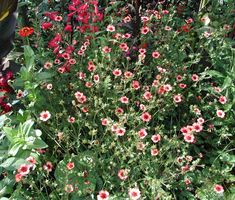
(31, 159)
(222, 99)
(156, 54)
(177, 98)
(146, 117)
(134, 193)
(156, 138)
(197, 127)
(117, 72)
(68, 188)
(195, 77)
(218, 188)
(104, 122)
(71, 120)
(144, 30)
(81, 98)
(147, 96)
(124, 99)
(106, 49)
(200, 120)
(142, 133)
(135, 85)
(120, 131)
(123, 174)
(103, 195)
(18, 177)
(128, 74)
(110, 28)
(70, 165)
(154, 152)
(48, 166)
(24, 169)
(46, 25)
(189, 138)
(220, 113)
(44, 116)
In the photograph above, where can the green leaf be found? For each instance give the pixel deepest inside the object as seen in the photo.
(38, 144)
(29, 57)
(10, 133)
(26, 128)
(44, 76)
(227, 83)
(8, 162)
(14, 149)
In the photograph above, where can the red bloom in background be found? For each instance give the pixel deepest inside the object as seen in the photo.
(26, 31)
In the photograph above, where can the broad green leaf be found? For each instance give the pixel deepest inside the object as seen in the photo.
(15, 148)
(29, 57)
(8, 162)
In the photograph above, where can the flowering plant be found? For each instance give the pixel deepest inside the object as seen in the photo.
(126, 111)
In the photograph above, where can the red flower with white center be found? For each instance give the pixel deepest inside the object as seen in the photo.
(47, 65)
(104, 122)
(187, 181)
(127, 19)
(156, 54)
(96, 78)
(135, 85)
(189, 21)
(119, 111)
(144, 30)
(220, 113)
(110, 28)
(31, 159)
(24, 169)
(68, 188)
(134, 193)
(117, 72)
(218, 189)
(146, 117)
(189, 138)
(142, 107)
(106, 49)
(167, 28)
(142, 133)
(128, 74)
(222, 99)
(167, 87)
(177, 98)
(142, 51)
(195, 77)
(147, 96)
(71, 120)
(18, 177)
(48, 166)
(197, 127)
(70, 165)
(44, 116)
(124, 99)
(200, 120)
(182, 85)
(156, 138)
(103, 195)
(123, 174)
(154, 152)
(120, 131)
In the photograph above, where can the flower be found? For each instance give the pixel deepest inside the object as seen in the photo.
(18, 177)
(70, 165)
(156, 138)
(68, 188)
(154, 152)
(134, 193)
(48, 166)
(220, 113)
(44, 116)
(145, 30)
(146, 117)
(103, 195)
(222, 99)
(123, 174)
(218, 189)
(24, 169)
(177, 98)
(155, 54)
(124, 99)
(142, 133)
(189, 138)
(26, 31)
(110, 28)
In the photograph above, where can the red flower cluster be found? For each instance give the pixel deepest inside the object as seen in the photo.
(26, 31)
